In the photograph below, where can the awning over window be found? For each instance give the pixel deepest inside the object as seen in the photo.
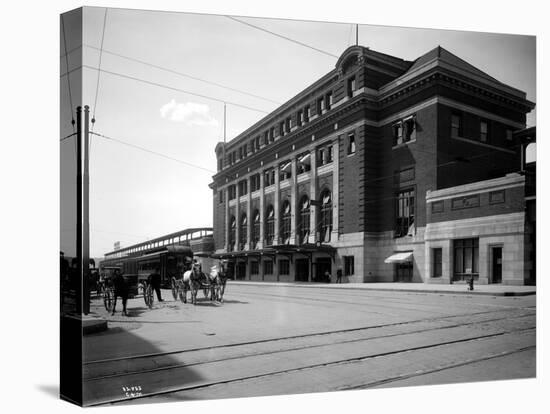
(401, 257)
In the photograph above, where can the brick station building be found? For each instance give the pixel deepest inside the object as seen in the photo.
(390, 170)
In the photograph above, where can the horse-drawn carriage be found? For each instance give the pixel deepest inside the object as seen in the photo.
(212, 284)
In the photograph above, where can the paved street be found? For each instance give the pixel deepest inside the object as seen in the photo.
(267, 340)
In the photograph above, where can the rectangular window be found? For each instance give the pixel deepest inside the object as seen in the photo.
(284, 267)
(255, 182)
(320, 105)
(266, 137)
(258, 139)
(220, 164)
(231, 192)
(351, 143)
(300, 117)
(404, 225)
(268, 267)
(254, 268)
(409, 129)
(272, 134)
(437, 262)
(456, 125)
(269, 177)
(496, 197)
(243, 187)
(349, 265)
(307, 113)
(287, 125)
(351, 86)
(324, 155)
(328, 100)
(437, 207)
(240, 153)
(282, 128)
(220, 196)
(483, 131)
(285, 171)
(466, 259)
(304, 162)
(397, 132)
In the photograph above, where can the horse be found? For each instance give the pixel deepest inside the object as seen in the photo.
(191, 280)
(218, 279)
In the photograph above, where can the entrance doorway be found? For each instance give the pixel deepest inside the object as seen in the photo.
(497, 265)
(241, 270)
(302, 270)
(404, 272)
(322, 265)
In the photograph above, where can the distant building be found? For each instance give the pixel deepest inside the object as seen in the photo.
(366, 170)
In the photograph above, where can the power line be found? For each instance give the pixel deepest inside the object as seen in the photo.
(160, 85)
(183, 74)
(283, 37)
(68, 78)
(67, 137)
(99, 66)
(153, 152)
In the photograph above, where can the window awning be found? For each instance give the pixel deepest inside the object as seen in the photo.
(401, 257)
(305, 159)
(285, 167)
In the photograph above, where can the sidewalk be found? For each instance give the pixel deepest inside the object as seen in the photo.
(457, 288)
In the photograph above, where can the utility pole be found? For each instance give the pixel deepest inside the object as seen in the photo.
(356, 35)
(79, 273)
(85, 215)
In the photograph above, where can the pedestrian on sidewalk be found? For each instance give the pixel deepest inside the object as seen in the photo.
(339, 276)
(327, 276)
(155, 283)
(121, 289)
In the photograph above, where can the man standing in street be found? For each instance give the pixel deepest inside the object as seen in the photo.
(339, 276)
(155, 283)
(121, 289)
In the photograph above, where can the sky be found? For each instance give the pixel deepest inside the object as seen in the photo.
(137, 195)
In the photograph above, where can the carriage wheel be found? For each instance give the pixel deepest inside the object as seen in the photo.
(108, 298)
(148, 296)
(174, 289)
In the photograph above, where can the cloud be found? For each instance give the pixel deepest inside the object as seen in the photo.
(190, 113)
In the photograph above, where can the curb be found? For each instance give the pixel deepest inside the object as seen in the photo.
(389, 289)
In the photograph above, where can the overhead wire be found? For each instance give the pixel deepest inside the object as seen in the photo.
(131, 59)
(283, 37)
(153, 152)
(122, 75)
(98, 77)
(67, 67)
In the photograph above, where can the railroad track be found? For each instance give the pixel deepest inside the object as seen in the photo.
(360, 345)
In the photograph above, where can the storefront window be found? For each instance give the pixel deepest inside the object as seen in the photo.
(466, 258)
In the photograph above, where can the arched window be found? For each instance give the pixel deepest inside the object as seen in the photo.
(304, 221)
(269, 225)
(243, 227)
(255, 233)
(232, 228)
(325, 218)
(285, 222)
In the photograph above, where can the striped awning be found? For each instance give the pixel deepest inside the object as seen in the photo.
(401, 257)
